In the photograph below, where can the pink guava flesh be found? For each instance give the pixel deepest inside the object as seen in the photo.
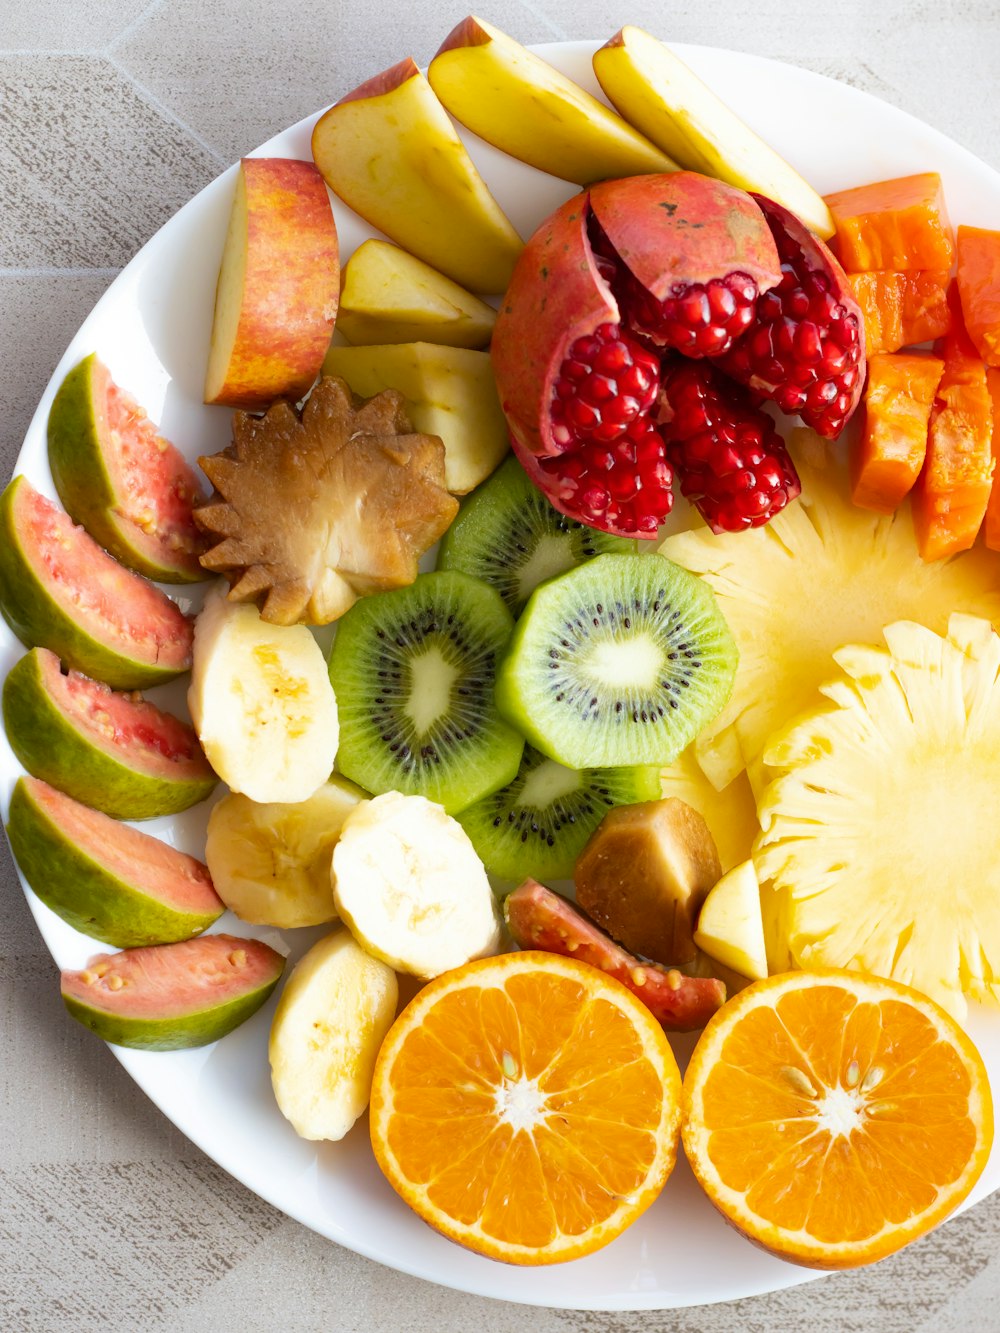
(173, 981)
(125, 725)
(95, 590)
(174, 878)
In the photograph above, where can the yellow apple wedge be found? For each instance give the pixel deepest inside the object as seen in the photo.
(276, 298)
(449, 392)
(730, 927)
(519, 103)
(389, 296)
(389, 150)
(661, 96)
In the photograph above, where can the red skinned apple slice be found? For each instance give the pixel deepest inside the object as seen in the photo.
(173, 996)
(118, 477)
(107, 879)
(806, 351)
(540, 919)
(110, 750)
(697, 254)
(279, 285)
(556, 296)
(59, 590)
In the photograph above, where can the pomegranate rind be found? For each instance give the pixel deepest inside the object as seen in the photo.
(539, 919)
(556, 295)
(173, 996)
(109, 750)
(684, 228)
(106, 879)
(90, 461)
(59, 590)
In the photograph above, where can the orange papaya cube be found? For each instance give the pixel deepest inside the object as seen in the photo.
(879, 294)
(991, 527)
(900, 224)
(926, 314)
(901, 309)
(953, 490)
(889, 453)
(979, 288)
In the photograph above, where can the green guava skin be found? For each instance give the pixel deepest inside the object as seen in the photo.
(197, 1028)
(36, 618)
(85, 893)
(50, 747)
(86, 488)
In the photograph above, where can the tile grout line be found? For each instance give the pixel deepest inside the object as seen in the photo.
(164, 110)
(129, 28)
(54, 271)
(537, 12)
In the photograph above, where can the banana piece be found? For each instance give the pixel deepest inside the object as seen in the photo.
(409, 884)
(332, 1017)
(261, 702)
(271, 864)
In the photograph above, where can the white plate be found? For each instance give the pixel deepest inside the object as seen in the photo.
(152, 329)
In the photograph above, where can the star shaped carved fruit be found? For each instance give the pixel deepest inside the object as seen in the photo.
(314, 509)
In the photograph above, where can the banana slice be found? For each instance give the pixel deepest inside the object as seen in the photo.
(409, 884)
(331, 1020)
(271, 863)
(261, 702)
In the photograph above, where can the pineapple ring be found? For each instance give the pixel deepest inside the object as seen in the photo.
(876, 824)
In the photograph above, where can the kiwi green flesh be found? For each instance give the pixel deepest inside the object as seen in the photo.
(540, 823)
(621, 661)
(414, 673)
(508, 535)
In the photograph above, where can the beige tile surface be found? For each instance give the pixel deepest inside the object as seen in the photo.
(111, 115)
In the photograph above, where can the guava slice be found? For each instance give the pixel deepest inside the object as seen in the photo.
(59, 590)
(107, 879)
(113, 751)
(172, 996)
(129, 487)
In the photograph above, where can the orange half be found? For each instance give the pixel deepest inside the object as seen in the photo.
(527, 1106)
(833, 1117)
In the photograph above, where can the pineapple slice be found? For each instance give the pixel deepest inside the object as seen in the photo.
(731, 814)
(821, 574)
(878, 824)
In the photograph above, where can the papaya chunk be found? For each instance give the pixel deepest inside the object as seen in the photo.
(992, 524)
(901, 309)
(889, 454)
(953, 490)
(979, 289)
(898, 224)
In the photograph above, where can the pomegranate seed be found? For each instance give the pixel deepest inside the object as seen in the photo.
(804, 351)
(603, 385)
(698, 319)
(728, 456)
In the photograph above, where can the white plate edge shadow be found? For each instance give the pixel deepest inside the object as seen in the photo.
(446, 1264)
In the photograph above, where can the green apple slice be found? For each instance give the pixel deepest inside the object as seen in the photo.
(661, 96)
(449, 392)
(390, 296)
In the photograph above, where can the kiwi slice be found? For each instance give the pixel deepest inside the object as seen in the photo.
(508, 535)
(540, 823)
(621, 661)
(414, 672)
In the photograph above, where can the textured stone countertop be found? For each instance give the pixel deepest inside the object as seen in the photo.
(112, 114)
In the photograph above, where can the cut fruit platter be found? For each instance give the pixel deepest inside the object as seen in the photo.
(727, 677)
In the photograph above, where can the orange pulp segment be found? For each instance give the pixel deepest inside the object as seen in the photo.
(834, 1117)
(887, 457)
(896, 224)
(527, 1106)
